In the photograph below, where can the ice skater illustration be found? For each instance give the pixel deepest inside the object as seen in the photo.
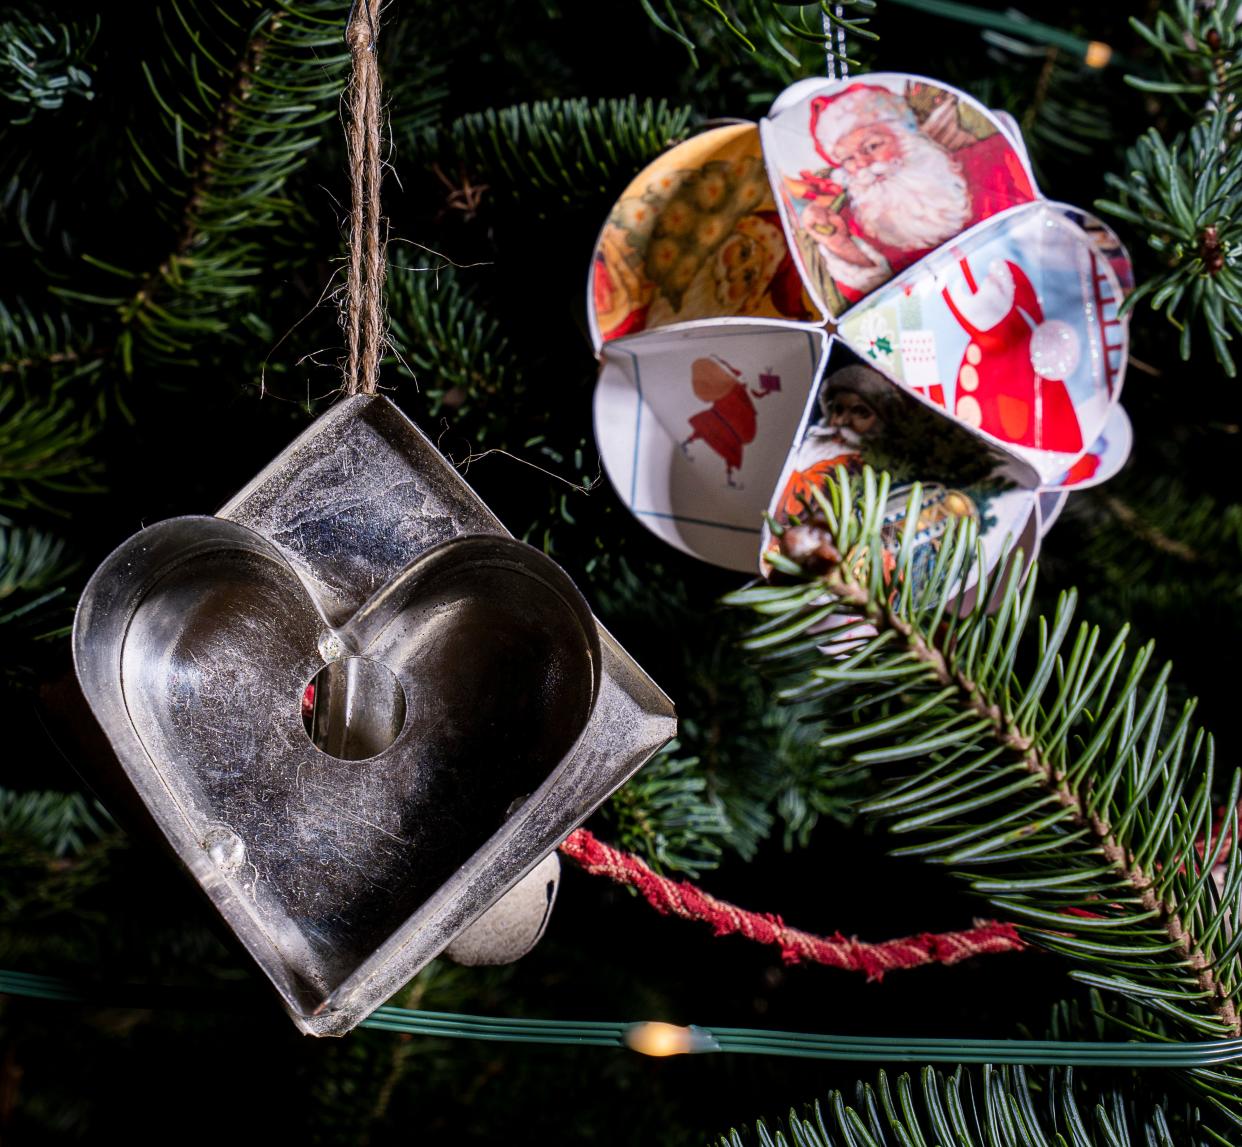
(730, 423)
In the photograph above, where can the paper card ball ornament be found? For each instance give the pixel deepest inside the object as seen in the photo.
(357, 708)
(899, 231)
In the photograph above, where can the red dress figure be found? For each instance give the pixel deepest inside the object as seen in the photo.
(1011, 379)
(730, 423)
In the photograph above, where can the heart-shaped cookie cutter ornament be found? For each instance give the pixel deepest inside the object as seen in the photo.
(357, 708)
(889, 221)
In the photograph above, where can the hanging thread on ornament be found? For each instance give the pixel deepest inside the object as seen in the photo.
(364, 300)
(835, 57)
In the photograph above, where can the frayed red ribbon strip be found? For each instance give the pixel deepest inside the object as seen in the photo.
(681, 898)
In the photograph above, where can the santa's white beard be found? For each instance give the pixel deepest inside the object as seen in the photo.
(917, 202)
(825, 442)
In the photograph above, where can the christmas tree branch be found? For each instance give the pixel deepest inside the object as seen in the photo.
(1150, 533)
(999, 726)
(552, 153)
(256, 109)
(42, 448)
(1199, 49)
(42, 64)
(1183, 196)
(750, 22)
(988, 1107)
(1062, 794)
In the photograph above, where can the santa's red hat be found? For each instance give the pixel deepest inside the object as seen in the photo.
(860, 105)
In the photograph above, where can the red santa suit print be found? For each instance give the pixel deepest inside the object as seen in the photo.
(899, 193)
(1011, 379)
(730, 423)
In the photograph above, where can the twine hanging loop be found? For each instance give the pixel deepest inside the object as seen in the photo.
(364, 299)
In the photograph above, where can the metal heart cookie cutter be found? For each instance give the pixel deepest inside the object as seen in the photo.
(358, 709)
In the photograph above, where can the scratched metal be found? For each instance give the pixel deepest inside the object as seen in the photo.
(481, 664)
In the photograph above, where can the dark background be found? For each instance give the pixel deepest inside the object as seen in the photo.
(181, 431)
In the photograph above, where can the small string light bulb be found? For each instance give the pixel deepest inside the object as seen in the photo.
(660, 1039)
(1098, 54)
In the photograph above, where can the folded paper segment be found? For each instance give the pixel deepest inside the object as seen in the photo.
(873, 174)
(1107, 455)
(912, 217)
(1107, 243)
(696, 235)
(1013, 329)
(1051, 503)
(693, 427)
(860, 417)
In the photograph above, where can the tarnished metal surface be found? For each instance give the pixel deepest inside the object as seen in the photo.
(350, 834)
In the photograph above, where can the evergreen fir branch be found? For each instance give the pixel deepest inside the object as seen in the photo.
(1200, 49)
(987, 1107)
(1186, 198)
(33, 569)
(264, 86)
(1188, 544)
(42, 63)
(668, 816)
(764, 765)
(770, 22)
(1058, 101)
(43, 445)
(49, 342)
(30, 561)
(1151, 553)
(1201, 518)
(450, 345)
(1067, 795)
(59, 824)
(56, 856)
(560, 151)
(414, 88)
(248, 121)
(744, 769)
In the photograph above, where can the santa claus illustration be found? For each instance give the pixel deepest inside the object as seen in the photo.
(1011, 380)
(892, 193)
(853, 402)
(730, 423)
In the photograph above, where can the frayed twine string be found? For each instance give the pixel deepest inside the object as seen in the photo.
(680, 898)
(364, 287)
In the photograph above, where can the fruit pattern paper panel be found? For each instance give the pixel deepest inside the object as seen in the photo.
(695, 236)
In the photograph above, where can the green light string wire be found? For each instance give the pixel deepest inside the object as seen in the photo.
(747, 1041)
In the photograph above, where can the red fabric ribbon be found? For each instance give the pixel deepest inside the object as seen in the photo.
(681, 898)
